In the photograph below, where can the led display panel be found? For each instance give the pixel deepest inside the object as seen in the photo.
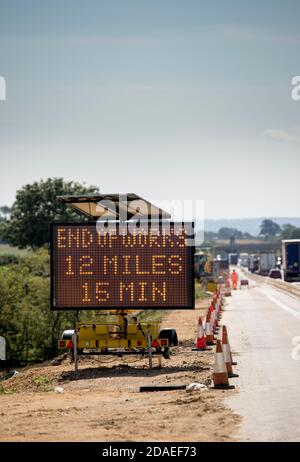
(122, 266)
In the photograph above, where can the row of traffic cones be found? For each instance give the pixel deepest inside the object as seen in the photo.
(205, 337)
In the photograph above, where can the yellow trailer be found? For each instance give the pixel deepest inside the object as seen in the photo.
(120, 337)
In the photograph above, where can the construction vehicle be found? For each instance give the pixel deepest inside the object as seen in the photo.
(220, 266)
(214, 272)
(200, 261)
(121, 332)
(208, 267)
(208, 279)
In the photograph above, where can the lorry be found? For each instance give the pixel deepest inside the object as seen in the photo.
(267, 261)
(253, 263)
(291, 260)
(233, 258)
(244, 260)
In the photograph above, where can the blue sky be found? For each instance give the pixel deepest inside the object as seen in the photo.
(168, 99)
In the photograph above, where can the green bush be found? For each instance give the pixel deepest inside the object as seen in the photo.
(7, 259)
(30, 327)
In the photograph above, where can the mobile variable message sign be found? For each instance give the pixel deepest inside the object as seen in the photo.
(97, 268)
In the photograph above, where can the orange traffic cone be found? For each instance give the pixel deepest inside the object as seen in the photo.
(214, 321)
(214, 299)
(221, 298)
(208, 331)
(210, 311)
(201, 341)
(216, 316)
(220, 375)
(232, 362)
(227, 353)
(219, 315)
(221, 301)
(227, 288)
(218, 309)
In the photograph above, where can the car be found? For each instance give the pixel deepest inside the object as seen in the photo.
(275, 273)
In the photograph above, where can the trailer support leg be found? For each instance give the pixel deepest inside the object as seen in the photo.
(149, 348)
(75, 353)
(159, 361)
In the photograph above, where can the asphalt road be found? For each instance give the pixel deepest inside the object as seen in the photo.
(263, 325)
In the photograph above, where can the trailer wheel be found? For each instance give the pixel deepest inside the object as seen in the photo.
(167, 353)
(171, 335)
(71, 353)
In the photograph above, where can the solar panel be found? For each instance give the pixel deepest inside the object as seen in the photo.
(123, 206)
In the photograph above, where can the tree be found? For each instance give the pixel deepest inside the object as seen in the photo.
(4, 214)
(30, 328)
(289, 231)
(228, 233)
(36, 207)
(295, 234)
(269, 228)
(247, 236)
(5, 211)
(209, 237)
(286, 231)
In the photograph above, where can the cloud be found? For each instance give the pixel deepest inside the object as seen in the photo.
(281, 134)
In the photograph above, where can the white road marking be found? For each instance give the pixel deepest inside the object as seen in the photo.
(282, 305)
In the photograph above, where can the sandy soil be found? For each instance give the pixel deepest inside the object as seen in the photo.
(104, 403)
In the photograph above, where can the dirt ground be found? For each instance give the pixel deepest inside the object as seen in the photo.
(104, 402)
